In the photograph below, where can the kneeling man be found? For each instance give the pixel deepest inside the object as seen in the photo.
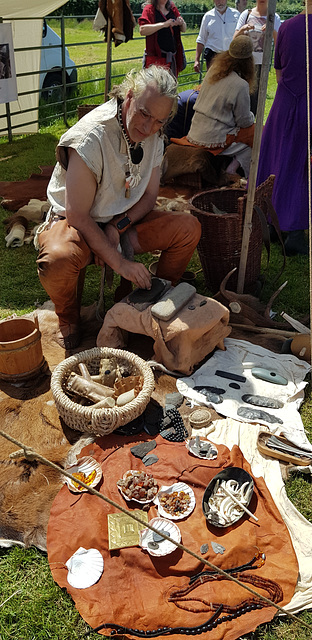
(106, 182)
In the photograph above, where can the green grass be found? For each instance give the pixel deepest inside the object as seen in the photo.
(38, 608)
(32, 606)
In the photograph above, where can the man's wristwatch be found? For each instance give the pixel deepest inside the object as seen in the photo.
(123, 224)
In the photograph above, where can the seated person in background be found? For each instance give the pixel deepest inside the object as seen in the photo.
(104, 184)
(180, 124)
(222, 109)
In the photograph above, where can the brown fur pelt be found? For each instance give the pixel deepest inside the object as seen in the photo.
(28, 414)
(178, 203)
(179, 160)
(28, 487)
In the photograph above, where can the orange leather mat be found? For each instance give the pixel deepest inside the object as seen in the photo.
(134, 587)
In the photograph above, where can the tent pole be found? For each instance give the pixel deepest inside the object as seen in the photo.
(267, 49)
(8, 113)
(108, 59)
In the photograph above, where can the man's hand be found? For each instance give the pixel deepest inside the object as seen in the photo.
(197, 66)
(136, 272)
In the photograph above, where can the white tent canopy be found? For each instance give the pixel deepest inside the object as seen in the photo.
(29, 9)
(26, 33)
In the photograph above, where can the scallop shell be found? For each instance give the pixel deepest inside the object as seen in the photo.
(127, 384)
(85, 465)
(177, 486)
(85, 568)
(125, 475)
(165, 547)
(190, 442)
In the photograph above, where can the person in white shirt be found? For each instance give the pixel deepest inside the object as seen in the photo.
(252, 23)
(216, 32)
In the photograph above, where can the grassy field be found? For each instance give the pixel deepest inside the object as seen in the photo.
(32, 606)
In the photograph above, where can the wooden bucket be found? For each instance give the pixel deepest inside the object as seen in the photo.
(20, 349)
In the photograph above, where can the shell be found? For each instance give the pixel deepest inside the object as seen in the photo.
(85, 465)
(190, 445)
(177, 486)
(85, 568)
(165, 547)
(127, 384)
(125, 475)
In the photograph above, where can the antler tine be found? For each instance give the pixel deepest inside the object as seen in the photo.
(273, 296)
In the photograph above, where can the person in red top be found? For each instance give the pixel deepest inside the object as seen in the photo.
(161, 24)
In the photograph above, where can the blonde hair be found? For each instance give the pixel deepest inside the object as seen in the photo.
(155, 75)
(223, 64)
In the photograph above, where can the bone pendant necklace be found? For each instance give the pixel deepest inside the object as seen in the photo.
(135, 156)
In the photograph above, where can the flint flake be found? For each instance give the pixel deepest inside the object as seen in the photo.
(142, 449)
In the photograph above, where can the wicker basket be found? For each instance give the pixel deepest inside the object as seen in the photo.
(99, 421)
(219, 248)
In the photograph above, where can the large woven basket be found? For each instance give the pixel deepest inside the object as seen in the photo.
(99, 421)
(219, 248)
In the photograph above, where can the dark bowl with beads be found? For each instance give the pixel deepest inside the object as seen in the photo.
(240, 484)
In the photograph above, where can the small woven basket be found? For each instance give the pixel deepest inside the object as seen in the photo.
(99, 421)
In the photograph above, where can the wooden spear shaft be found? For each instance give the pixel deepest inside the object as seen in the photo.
(267, 49)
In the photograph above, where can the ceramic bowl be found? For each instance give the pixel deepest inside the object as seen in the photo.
(176, 487)
(86, 465)
(147, 537)
(219, 509)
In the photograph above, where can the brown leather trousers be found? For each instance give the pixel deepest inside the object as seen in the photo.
(64, 255)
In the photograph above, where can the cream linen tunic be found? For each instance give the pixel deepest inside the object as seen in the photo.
(98, 140)
(221, 108)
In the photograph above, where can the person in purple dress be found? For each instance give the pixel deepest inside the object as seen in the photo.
(284, 147)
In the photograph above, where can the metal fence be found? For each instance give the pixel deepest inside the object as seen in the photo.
(62, 99)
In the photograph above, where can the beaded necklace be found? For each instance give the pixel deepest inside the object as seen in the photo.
(135, 154)
(180, 597)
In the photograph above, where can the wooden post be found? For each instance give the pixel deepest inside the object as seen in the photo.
(108, 59)
(7, 109)
(267, 49)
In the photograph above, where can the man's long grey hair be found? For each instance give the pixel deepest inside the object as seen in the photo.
(155, 75)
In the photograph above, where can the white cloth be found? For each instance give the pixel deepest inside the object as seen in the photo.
(257, 35)
(16, 236)
(239, 358)
(231, 432)
(217, 30)
(98, 140)
(240, 152)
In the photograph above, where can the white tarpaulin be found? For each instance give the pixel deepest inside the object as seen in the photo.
(26, 33)
(8, 88)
